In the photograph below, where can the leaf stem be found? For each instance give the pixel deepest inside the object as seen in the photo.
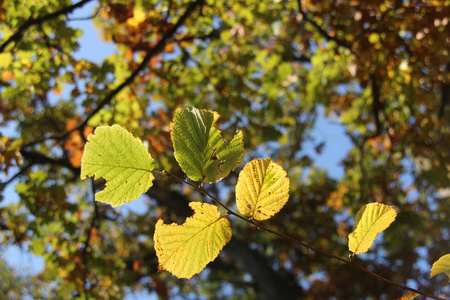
(295, 241)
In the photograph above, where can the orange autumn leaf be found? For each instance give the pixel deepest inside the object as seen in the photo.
(56, 91)
(136, 265)
(75, 158)
(129, 53)
(75, 143)
(7, 75)
(104, 14)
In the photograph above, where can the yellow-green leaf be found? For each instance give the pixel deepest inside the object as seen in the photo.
(370, 220)
(199, 147)
(409, 296)
(442, 265)
(262, 189)
(185, 250)
(122, 160)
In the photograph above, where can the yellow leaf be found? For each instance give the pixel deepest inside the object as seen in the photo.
(408, 296)
(370, 220)
(442, 265)
(6, 59)
(185, 250)
(138, 18)
(262, 189)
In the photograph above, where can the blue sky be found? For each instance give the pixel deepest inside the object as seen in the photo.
(92, 48)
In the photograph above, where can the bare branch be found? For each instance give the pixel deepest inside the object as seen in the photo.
(322, 31)
(295, 241)
(35, 21)
(110, 96)
(39, 158)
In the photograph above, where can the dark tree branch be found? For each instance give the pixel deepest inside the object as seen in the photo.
(87, 247)
(215, 33)
(296, 241)
(85, 18)
(322, 31)
(21, 171)
(445, 95)
(41, 159)
(169, 8)
(377, 106)
(269, 284)
(35, 21)
(48, 42)
(152, 52)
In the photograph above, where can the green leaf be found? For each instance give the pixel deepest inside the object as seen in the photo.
(114, 154)
(5, 59)
(442, 265)
(262, 189)
(185, 250)
(370, 220)
(199, 148)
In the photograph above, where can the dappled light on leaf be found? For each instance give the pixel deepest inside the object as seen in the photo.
(199, 147)
(114, 154)
(262, 189)
(185, 250)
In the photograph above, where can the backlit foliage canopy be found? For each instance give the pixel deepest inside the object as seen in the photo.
(349, 98)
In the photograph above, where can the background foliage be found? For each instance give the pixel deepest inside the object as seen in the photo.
(270, 68)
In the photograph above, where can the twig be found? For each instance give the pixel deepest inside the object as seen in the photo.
(317, 250)
(152, 52)
(322, 31)
(85, 18)
(377, 106)
(34, 21)
(21, 171)
(92, 224)
(39, 158)
(169, 7)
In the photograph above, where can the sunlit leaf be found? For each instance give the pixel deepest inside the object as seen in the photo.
(199, 147)
(262, 189)
(185, 250)
(370, 220)
(114, 154)
(442, 265)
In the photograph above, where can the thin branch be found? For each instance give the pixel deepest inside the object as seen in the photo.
(323, 31)
(152, 52)
(445, 95)
(39, 158)
(93, 223)
(317, 250)
(48, 42)
(169, 8)
(377, 106)
(21, 171)
(85, 18)
(34, 21)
